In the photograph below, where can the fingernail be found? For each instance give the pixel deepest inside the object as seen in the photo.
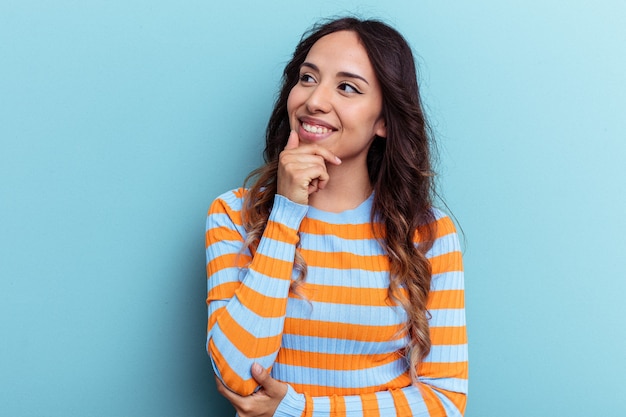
(256, 368)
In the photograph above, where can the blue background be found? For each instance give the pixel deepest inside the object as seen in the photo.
(120, 121)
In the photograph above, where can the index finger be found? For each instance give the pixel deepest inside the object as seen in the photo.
(293, 141)
(326, 154)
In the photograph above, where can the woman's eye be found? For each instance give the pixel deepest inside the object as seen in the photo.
(349, 88)
(306, 78)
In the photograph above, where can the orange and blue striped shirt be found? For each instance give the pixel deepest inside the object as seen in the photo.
(339, 342)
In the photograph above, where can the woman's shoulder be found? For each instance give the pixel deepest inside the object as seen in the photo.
(446, 237)
(234, 194)
(233, 199)
(441, 225)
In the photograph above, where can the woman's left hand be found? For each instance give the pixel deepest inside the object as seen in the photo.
(262, 403)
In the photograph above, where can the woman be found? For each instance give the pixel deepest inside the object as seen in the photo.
(334, 286)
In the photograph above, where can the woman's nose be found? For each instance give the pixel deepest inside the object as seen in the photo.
(319, 101)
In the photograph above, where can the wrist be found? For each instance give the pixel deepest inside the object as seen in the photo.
(292, 404)
(287, 212)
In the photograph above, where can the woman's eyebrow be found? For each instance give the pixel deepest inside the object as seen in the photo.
(339, 74)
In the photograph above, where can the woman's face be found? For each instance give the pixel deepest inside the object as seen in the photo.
(337, 101)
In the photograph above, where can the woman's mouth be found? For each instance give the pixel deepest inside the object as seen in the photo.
(315, 129)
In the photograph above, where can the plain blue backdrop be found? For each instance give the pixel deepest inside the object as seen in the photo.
(120, 121)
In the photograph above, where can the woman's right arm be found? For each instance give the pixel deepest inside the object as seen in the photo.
(247, 295)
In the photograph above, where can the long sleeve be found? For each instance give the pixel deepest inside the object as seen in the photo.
(247, 295)
(442, 377)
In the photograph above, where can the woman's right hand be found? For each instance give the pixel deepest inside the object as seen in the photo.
(302, 169)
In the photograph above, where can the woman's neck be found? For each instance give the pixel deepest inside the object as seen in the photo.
(347, 188)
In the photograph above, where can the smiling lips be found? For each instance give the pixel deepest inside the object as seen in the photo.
(315, 129)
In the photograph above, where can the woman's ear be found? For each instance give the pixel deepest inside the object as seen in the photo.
(380, 128)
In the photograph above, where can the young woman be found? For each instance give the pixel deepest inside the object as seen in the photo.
(334, 286)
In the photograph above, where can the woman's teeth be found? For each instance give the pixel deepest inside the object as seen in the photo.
(315, 129)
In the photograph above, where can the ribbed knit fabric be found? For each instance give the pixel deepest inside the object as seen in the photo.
(338, 345)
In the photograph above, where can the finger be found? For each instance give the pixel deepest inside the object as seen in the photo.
(322, 180)
(221, 388)
(259, 374)
(313, 186)
(325, 154)
(218, 383)
(293, 141)
(269, 384)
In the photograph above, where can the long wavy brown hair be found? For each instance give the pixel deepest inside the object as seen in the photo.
(399, 167)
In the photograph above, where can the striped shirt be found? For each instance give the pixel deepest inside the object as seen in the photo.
(339, 342)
